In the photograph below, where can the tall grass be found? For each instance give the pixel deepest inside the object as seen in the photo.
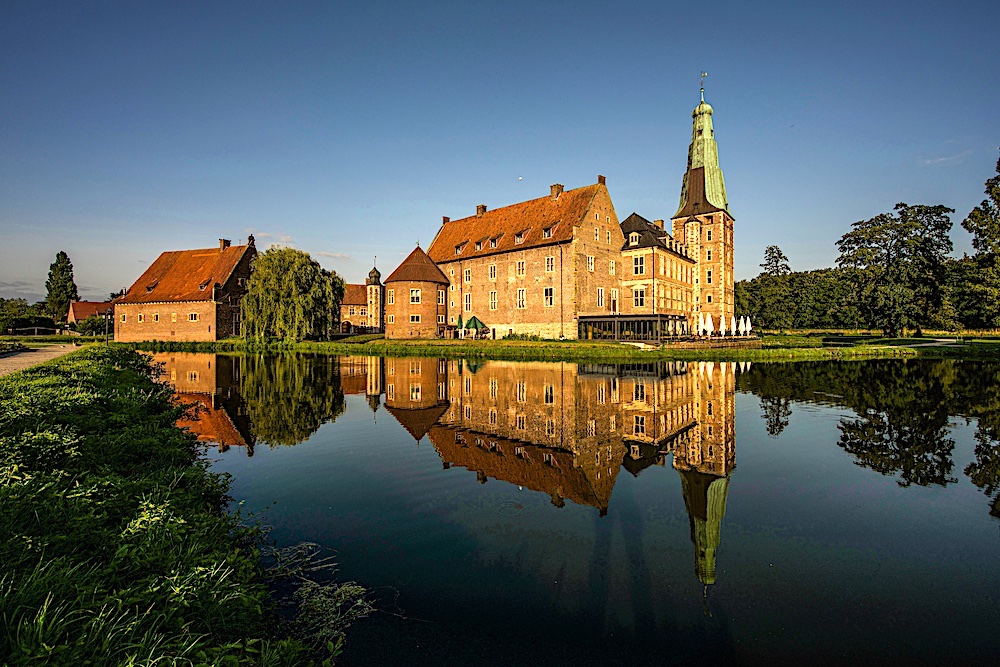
(115, 544)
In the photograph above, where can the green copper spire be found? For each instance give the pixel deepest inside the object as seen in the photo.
(703, 189)
(705, 500)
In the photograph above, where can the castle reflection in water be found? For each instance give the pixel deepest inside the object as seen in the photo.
(566, 430)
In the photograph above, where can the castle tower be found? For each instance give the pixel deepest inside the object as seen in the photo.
(703, 222)
(375, 292)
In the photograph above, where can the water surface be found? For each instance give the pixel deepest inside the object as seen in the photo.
(555, 513)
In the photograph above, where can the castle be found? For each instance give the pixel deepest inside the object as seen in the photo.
(564, 265)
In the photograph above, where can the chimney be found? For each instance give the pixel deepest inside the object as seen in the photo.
(250, 240)
(480, 210)
(555, 190)
(601, 180)
(223, 244)
(445, 220)
(658, 223)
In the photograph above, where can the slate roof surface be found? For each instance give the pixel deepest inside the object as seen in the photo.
(530, 218)
(419, 421)
(184, 275)
(417, 267)
(650, 235)
(355, 295)
(696, 201)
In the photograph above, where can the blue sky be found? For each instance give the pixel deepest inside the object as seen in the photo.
(349, 129)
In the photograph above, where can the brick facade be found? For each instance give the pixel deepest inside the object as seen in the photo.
(412, 309)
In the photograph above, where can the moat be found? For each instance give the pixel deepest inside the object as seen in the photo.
(556, 513)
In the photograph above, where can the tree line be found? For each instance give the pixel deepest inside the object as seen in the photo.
(893, 273)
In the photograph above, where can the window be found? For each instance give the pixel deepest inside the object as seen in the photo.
(452, 286)
(550, 394)
(639, 425)
(468, 302)
(614, 299)
(521, 298)
(611, 267)
(639, 265)
(468, 275)
(493, 271)
(602, 393)
(156, 317)
(140, 318)
(458, 249)
(590, 262)
(609, 237)
(414, 392)
(414, 296)
(522, 392)
(708, 277)
(414, 319)
(519, 238)
(493, 416)
(592, 431)
(479, 245)
(639, 391)
(550, 296)
(547, 233)
(468, 385)
(550, 264)
(639, 297)
(708, 298)
(390, 296)
(708, 235)
(193, 376)
(493, 243)
(173, 317)
(633, 238)
(550, 427)
(192, 317)
(440, 297)
(468, 413)
(440, 319)
(600, 297)
(597, 234)
(350, 310)
(521, 422)
(123, 317)
(493, 387)
(708, 255)
(493, 300)
(520, 267)
(392, 319)
(390, 391)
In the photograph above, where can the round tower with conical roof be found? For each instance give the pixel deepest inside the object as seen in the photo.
(703, 221)
(375, 292)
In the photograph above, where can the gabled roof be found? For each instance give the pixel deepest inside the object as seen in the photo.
(417, 267)
(185, 275)
(355, 295)
(81, 310)
(531, 218)
(650, 236)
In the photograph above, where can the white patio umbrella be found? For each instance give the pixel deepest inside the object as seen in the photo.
(709, 325)
(732, 324)
(701, 323)
(711, 368)
(749, 326)
(743, 326)
(722, 326)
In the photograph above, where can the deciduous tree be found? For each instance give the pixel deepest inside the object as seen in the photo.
(980, 282)
(291, 297)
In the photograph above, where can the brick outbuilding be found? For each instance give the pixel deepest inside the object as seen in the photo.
(415, 299)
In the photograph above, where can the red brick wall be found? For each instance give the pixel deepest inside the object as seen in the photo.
(173, 322)
(401, 310)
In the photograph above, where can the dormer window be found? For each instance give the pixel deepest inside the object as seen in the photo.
(460, 247)
(204, 284)
(633, 238)
(479, 245)
(493, 243)
(519, 237)
(547, 233)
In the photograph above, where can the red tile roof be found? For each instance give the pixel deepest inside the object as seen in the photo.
(531, 218)
(185, 275)
(81, 310)
(355, 295)
(418, 267)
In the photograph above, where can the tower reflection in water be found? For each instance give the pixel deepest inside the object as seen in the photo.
(563, 429)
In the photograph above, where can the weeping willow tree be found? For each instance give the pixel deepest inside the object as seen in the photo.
(288, 397)
(291, 297)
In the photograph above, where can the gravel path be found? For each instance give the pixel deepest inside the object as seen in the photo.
(18, 361)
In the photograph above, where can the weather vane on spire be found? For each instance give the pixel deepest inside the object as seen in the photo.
(703, 75)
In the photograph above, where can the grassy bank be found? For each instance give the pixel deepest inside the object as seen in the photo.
(780, 348)
(115, 543)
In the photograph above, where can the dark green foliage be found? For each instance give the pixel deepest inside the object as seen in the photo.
(895, 264)
(801, 300)
(114, 540)
(94, 326)
(289, 397)
(976, 282)
(983, 222)
(18, 313)
(61, 288)
(290, 297)
(902, 411)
